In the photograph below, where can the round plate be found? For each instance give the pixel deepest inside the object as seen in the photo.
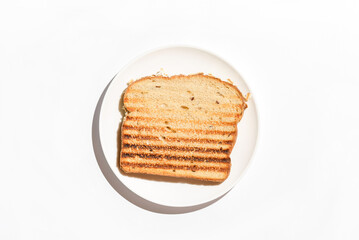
(177, 60)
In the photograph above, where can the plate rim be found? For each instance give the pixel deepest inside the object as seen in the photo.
(257, 137)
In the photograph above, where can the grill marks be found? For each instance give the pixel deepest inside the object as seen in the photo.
(179, 112)
(193, 168)
(174, 124)
(215, 123)
(172, 166)
(185, 130)
(132, 102)
(165, 115)
(169, 139)
(175, 148)
(177, 158)
(167, 151)
(138, 153)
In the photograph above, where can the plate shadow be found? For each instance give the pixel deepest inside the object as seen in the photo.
(121, 188)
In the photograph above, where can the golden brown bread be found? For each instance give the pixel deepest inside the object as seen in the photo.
(180, 126)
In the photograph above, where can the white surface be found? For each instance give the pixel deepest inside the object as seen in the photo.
(300, 57)
(177, 60)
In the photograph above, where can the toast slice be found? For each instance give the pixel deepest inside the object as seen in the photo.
(180, 126)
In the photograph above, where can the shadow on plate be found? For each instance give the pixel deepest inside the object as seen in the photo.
(120, 187)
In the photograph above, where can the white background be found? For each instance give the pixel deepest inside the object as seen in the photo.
(300, 58)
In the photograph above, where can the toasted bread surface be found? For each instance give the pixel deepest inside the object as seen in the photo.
(180, 126)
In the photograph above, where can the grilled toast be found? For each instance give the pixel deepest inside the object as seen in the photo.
(180, 126)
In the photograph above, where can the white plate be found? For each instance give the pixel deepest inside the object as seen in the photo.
(177, 60)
